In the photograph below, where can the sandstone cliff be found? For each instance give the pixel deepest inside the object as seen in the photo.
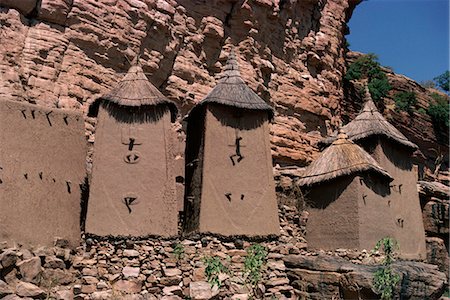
(67, 53)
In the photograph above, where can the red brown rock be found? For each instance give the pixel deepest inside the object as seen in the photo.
(30, 268)
(76, 49)
(26, 289)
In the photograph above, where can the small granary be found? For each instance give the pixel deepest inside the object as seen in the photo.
(132, 191)
(348, 198)
(229, 178)
(393, 151)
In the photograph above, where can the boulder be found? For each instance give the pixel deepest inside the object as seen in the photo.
(26, 289)
(30, 269)
(325, 276)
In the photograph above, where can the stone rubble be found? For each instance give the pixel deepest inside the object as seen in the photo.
(152, 269)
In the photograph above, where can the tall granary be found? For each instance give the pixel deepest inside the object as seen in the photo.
(393, 152)
(42, 172)
(132, 190)
(229, 178)
(348, 198)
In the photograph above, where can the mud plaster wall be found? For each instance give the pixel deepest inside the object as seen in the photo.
(237, 198)
(376, 216)
(149, 180)
(404, 196)
(42, 164)
(333, 214)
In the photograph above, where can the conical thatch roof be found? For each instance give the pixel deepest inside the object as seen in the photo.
(231, 90)
(135, 90)
(342, 158)
(371, 122)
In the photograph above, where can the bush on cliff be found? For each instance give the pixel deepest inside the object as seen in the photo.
(405, 101)
(442, 81)
(367, 67)
(439, 111)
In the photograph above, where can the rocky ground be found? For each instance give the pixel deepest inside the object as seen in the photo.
(176, 269)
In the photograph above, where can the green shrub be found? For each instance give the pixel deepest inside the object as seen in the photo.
(178, 251)
(385, 279)
(439, 111)
(379, 88)
(254, 262)
(442, 81)
(405, 101)
(367, 67)
(212, 270)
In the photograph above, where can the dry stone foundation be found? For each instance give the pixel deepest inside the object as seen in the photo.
(42, 170)
(176, 269)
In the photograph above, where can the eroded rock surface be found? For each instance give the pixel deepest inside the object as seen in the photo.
(326, 277)
(67, 53)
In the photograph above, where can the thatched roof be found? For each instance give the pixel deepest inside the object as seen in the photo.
(342, 158)
(134, 90)
(371, 122)
(231, 90)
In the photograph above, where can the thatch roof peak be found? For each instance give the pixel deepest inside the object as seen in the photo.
(231, 90)
(135, 90)
(231, 67)
(342, 158)
(370, 122)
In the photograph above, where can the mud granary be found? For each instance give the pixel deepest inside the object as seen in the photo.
(393, 152)
(132, 190)
(42, 172)
(348, 198)
(229, 177)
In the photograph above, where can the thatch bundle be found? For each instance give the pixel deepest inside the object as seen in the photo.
(231, 90)
(370, 122)
(342, 158)
(134, 90)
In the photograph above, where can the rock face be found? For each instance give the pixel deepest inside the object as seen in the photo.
(67, 53)
(327, 277)
(434, 198)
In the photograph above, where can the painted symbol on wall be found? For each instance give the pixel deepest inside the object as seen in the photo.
(237, 157)
(130, 200)
(132, 157)
(131, 135)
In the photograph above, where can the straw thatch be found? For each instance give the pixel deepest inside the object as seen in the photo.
(134, 90)
(371, 122)
(342, 158)
(231, 90)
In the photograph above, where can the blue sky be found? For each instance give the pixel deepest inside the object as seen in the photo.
(411, 36)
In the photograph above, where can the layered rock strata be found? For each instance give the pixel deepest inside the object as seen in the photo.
(68, 53)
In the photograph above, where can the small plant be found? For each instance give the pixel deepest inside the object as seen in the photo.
(422, 111)
(178, 251)
(253, 264)
(213, 269)
(385, 279)
(367, 66)
(405, 101)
